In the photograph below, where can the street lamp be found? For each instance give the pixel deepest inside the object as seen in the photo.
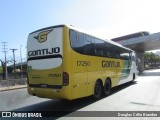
(21, 62)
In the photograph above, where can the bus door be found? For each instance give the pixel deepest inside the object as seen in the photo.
(127, 64)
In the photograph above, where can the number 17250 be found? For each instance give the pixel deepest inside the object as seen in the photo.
(83, 63)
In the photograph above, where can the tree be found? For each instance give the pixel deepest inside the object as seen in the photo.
(151, 58)
(147, 56)
(3, 69)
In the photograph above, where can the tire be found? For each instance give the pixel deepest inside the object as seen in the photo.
(97, 90)
(107, 88)
(133, 77)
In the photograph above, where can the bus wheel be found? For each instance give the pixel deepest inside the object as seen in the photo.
(107, 88)
(133, 77)
(97, 90)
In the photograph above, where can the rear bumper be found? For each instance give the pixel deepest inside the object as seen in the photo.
(45, 86)
(63, 93)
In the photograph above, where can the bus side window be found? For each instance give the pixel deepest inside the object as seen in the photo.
(117, 52)
(77, 41)
(81, 42)
(105, 53)
(99, 52)
(99, 46)
(117, 55)
(111, 50)
(89, 46)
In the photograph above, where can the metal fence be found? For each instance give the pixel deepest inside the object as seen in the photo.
(17, 75)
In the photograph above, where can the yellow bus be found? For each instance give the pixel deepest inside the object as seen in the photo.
(66, 63)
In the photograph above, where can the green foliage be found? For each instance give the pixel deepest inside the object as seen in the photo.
(1, 69)
(151, 57)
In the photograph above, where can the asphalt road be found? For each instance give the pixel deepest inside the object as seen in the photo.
(142, 95)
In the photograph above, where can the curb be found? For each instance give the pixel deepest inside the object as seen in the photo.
(13, 88)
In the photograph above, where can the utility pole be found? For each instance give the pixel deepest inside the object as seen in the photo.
(14, 67)
(5, 51)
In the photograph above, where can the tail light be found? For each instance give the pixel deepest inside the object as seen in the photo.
(65, 78)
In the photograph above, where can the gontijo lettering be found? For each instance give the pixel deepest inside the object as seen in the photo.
(44, 51)
(110, 64)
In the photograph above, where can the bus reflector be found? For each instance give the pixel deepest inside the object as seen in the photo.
(65, 78)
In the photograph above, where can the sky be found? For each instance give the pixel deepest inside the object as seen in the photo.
(103, 18)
